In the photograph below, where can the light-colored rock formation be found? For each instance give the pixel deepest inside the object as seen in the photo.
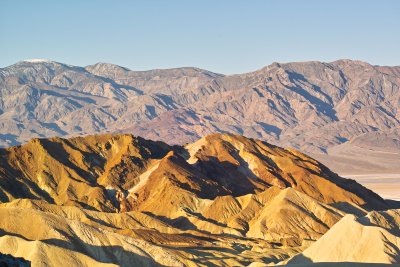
(374, 238)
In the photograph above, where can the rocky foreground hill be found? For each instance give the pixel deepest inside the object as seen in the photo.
(224, 200)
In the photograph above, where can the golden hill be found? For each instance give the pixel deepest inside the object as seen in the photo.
(89, 172)
(123, 172)
(224, 200)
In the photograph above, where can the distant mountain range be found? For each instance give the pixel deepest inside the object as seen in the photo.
(311, 106)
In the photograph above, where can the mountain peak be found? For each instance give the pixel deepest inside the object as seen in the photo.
(38, 60)
(41, 62)
(104, 66)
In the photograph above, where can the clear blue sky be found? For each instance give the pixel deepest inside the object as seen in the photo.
(221, 36)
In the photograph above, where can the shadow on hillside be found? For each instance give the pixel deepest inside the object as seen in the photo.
(348, 208)
(299, 259)
(15, 183)
(238, 179)
(199, 216)
(323, 107)
(394, 204)
(104, 254)
(4, 233)
(182, 223)
(7, 260)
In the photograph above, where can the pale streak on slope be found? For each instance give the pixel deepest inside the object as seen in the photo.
(144, 177)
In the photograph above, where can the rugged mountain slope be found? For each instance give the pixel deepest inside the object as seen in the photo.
(224, 200)
(311, 106)
(374, 238)
(88, 171)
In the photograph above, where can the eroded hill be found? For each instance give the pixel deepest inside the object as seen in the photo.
(119, 199)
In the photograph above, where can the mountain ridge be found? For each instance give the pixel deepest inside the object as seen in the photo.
(311, 106)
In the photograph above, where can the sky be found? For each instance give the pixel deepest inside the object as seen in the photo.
(221, 36)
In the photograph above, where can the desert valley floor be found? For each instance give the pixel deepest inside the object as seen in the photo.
(385, 184)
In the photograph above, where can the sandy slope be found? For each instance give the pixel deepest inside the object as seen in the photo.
(374, 238)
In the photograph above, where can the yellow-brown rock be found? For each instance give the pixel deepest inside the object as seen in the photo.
(111, 200)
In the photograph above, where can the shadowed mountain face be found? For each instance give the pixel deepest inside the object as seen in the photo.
(311, 106)
(118, 200)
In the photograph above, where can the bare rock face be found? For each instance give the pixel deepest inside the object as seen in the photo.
(311, 106)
